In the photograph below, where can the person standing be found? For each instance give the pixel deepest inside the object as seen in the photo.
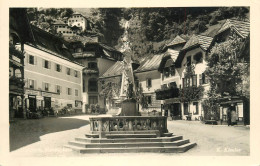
(229, 116)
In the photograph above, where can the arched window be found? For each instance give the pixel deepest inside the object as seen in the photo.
(92, 85)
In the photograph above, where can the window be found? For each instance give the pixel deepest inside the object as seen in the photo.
(166, 72)
(149, 99)
(76, 92)
(58, 89)
(31, 59)
(186, 82)
(46, 86)
(194, 80)
(203, 79)
(76, 73)
(68, 91)
(196, 105)
(198, 57)
(92, 85)
(31, 84)
(46, 64)
(68, 71)
(93, 99)
(77, 103)
(188, 60)
(149, 82)
(58, 67)
(186, 109)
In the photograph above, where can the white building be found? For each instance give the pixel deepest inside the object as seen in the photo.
(52, 77)
(78, 20)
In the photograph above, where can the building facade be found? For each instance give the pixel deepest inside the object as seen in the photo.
(96, 58)
(19, 33)
(78, 20)
(149, 79)
(52, 78)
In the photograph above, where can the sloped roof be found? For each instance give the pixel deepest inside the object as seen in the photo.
(203, 41)
(52, 44)
(241, 27)
(115, 70)
(150, 64)
(176, 40)
(170, 54)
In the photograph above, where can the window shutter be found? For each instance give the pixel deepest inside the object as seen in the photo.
(35, 84)
(147, 82)
(43, 87)
(49, 64)
(27, 58)
(26, 83)
(200, 79)
(60, 68)
(60, 89)
(35, 60)
(43, 62)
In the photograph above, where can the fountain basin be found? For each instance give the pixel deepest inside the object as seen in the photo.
(127, 124)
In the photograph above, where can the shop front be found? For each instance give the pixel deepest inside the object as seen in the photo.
(234, 112)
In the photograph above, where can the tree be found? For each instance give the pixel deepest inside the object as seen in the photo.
(227, 70)
(191, 93)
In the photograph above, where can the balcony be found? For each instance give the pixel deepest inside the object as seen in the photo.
(16, 85)
(167, 93)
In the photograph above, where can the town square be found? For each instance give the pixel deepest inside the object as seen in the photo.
(117, 82)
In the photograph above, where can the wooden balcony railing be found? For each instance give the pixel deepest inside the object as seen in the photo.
(167, 93)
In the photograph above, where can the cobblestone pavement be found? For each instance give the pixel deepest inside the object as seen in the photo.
(46, 138)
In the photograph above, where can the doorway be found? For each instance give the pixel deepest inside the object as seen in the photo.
(32, 103)
(47, 102)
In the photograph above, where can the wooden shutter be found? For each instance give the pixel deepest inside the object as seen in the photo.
(49, 64)
(200, 79)
(35, 84)
(43, 62)
(35, 60)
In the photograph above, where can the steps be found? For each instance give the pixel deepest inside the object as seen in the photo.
(131, 142)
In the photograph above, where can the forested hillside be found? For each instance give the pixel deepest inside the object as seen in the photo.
(150, 28)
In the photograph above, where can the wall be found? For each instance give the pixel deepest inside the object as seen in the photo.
(78, 20)
(150, 91)
(104, 65)
(40, 74)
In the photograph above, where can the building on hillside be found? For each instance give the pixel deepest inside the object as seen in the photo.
(52, 78)
(149, 78)
(97, 58)
(66, 31)
(79, 20)
(19, 34)
(240, 104)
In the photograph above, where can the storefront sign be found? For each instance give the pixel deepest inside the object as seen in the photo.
(31, 92)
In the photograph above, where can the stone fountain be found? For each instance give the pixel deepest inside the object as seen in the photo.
(129, 132)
